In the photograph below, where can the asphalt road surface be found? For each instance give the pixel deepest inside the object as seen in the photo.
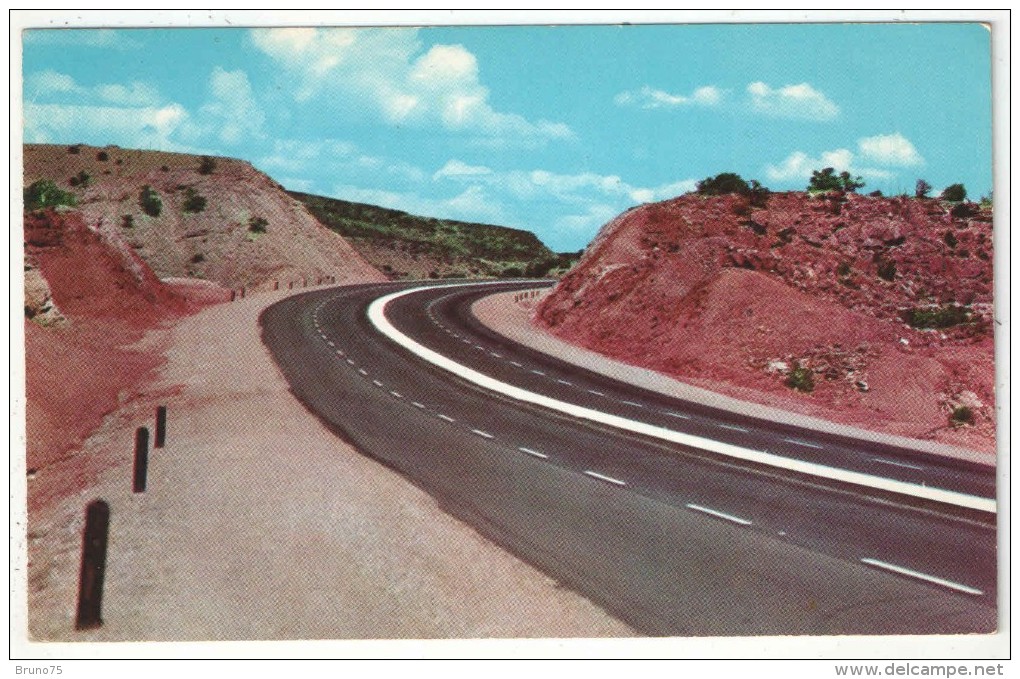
(673, 539)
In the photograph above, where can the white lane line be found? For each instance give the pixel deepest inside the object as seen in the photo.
(377, 383)
(363, 372)
(608, 479)
(480, 347)
(516, 364)
(897, 464)
(495, 355)
(533, 453)
(466, 341)
(377, 316)
(445, 417)
(718, 514)
(340, 352)
(483, 434)
(803, 443)
(418, 405)
(330, 343)
(569, 384)
(397, 394)
(922, 576)
(597, 393)
(679, 416)
(632, 403)
(538, 372)
(350, 361)
(733, 427)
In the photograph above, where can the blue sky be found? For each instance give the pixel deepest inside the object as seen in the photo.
(551, 129)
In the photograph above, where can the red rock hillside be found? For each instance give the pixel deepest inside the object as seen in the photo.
(870, 311)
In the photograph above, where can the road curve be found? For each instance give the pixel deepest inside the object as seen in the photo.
(671, 538)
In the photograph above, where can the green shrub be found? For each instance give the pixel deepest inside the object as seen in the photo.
(961, 415)
(102, 156)
(198, 258)
(74, 148)
(80, 179)
(45, 193)
(922, 189)
(511, 272)
(887, 270)
(826, 179)
(258, 224)
(936, 317)
(954, 193)
(950, 239)
(127, 221)
(150, 201)
(207, 165)
(721, 184)
(193, 200)
(801, 379)
(962, 210)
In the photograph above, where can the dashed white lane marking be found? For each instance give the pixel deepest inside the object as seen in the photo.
(363, 371)
(350, 361)
(679, 416)
(418, 405)
(330, 343)
(569, 384)
(603, 477)
(495, 355)
(483, 434)
(597, 393)
(632, 403)
(803, 443)
(533, 453)
(733, 427)
(516, 364)
(340, 352)
(466, 341)
(538, 372)
(445, 417)
(718, 514)
(397, 394)
(377, 316)
(377, 383)
(922, 576)
(897, 464)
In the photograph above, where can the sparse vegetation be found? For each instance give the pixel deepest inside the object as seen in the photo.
(937, 317)
(954, 193)
(102, 156)
(193, 200)
(81, 179)
(150, 201)
(950, 239)
(198, 258)
(127, 221)
(207, 165)
(961, 415)
(887, 269)
(826, 179)
(257, 225)
(74, 148)
(962, 210)
(45, 193)
(801, 378)
(922, 189)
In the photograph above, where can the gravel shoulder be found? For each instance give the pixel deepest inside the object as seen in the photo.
(502, 314)
(260, 524)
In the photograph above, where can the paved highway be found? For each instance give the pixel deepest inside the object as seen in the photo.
(673, 538)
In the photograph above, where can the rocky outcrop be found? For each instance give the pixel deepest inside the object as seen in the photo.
(868, 310)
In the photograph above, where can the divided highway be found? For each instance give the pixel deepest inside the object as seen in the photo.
(668, 536)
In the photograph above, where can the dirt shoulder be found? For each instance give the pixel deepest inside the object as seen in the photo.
(512, 319)
(258, 523)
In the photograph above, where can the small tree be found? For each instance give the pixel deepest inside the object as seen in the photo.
(721, 184)
(45, 193)
(826, 179)
(954, 193)
(150, 201)
(922, 189)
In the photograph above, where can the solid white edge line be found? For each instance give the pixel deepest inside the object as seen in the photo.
(534, 453)
(608, 479)
(922, 576)
(377, 316)
(718, 514)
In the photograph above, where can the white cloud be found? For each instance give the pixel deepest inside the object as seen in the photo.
(792, 101)
(378, 68)
(232, 112)
(457, 168)
(588, 221)
(146, 127)
(649, 98)
(890, 149)
(50, 85)
(799, 166)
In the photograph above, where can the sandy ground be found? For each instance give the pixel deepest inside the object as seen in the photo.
(258, 523)
(513, 320)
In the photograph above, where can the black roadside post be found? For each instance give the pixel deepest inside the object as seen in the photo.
(160, 427)
(141, 459)
(93, 566)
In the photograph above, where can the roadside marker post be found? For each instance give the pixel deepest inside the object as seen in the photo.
(93, 566)
(141, 459)
(160, 427)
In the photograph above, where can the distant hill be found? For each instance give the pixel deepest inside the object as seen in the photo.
(402, 245)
